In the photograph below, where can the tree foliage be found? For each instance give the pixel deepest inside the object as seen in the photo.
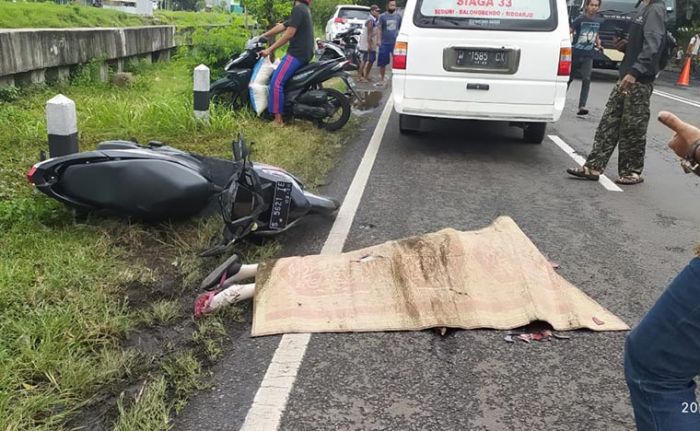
(269, 12)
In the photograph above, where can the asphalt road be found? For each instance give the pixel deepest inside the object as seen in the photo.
(621, 248)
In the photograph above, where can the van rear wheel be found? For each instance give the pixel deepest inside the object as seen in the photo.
(533, 133)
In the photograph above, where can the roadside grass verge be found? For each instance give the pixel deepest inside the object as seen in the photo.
(51, 15)
(95, 313)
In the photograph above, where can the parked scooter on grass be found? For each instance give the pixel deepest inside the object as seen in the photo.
(158, 182)
(305, 96)
(344, 45)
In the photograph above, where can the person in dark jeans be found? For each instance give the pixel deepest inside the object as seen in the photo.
(585, 30)
(299, 32)
(662, 354)
(626, 117)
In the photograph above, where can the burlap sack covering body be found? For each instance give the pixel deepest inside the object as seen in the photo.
(489, 278)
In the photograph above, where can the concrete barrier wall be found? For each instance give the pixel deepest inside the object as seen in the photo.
(33, 51)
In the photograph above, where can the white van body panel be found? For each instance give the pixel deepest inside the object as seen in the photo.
(532, 92)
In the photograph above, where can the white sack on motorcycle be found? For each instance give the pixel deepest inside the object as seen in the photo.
(260, 84)
(489, 278)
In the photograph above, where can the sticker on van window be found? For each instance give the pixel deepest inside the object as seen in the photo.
(489, 9)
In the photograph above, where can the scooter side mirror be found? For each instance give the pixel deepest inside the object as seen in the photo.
(240, 150)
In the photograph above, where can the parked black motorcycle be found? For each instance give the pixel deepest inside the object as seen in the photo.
(157, 182)
(344, 45)
(305, 97)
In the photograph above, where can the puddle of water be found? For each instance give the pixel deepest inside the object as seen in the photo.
(369, 99)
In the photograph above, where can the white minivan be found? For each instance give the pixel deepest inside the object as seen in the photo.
(496, 60)
(344, 17)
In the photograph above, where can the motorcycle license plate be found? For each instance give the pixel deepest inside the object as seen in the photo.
(280, 205)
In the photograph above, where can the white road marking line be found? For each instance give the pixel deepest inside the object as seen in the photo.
(271, 399)
(678, 98)
(604, 181)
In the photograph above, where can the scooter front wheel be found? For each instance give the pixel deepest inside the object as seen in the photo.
(340, 112)
(230, 99)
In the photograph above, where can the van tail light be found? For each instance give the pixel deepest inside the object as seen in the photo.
(339, 21)
(30, 174)
(564, 62)
(400, 56)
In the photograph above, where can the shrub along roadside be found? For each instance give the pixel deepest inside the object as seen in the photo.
(72, 292)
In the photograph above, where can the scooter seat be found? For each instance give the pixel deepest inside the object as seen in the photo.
(306, 68)
(302, 74)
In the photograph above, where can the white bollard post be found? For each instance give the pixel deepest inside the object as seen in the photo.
(201, 92)
(62, 126)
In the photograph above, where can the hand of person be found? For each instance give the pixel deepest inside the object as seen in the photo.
(627, 82)
(265, 52)
(619, 43)
(684, 134)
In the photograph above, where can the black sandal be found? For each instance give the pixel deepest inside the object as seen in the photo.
(583, 172)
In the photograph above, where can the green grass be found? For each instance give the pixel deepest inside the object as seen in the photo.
(157, 107)
(149, 412)
(51, 15)
(193, 19)
(59, 323)
(161, 313)
(63, 304)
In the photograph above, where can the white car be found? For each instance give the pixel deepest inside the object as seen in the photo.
(345, 17)
(495, 60)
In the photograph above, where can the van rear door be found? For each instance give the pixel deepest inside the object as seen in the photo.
(490, 51)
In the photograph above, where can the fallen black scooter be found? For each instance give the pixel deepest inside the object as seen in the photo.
(158, 182)
(305, 96)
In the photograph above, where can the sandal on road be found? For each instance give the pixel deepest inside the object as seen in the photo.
(630, 179)
(583, 172)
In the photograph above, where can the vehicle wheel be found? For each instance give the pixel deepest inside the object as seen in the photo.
(409, 124)
(533, 133)
(356, 59)
(341, 110)
(229, 99)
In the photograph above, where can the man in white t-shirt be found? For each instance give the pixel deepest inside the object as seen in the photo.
(694, 45)
(369, 41)
(693, 51)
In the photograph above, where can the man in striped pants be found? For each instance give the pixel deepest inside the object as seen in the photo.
(298, 31)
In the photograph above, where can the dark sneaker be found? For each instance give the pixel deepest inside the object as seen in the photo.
(582, 111)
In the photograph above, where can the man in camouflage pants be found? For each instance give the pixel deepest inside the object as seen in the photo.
(626, 114)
